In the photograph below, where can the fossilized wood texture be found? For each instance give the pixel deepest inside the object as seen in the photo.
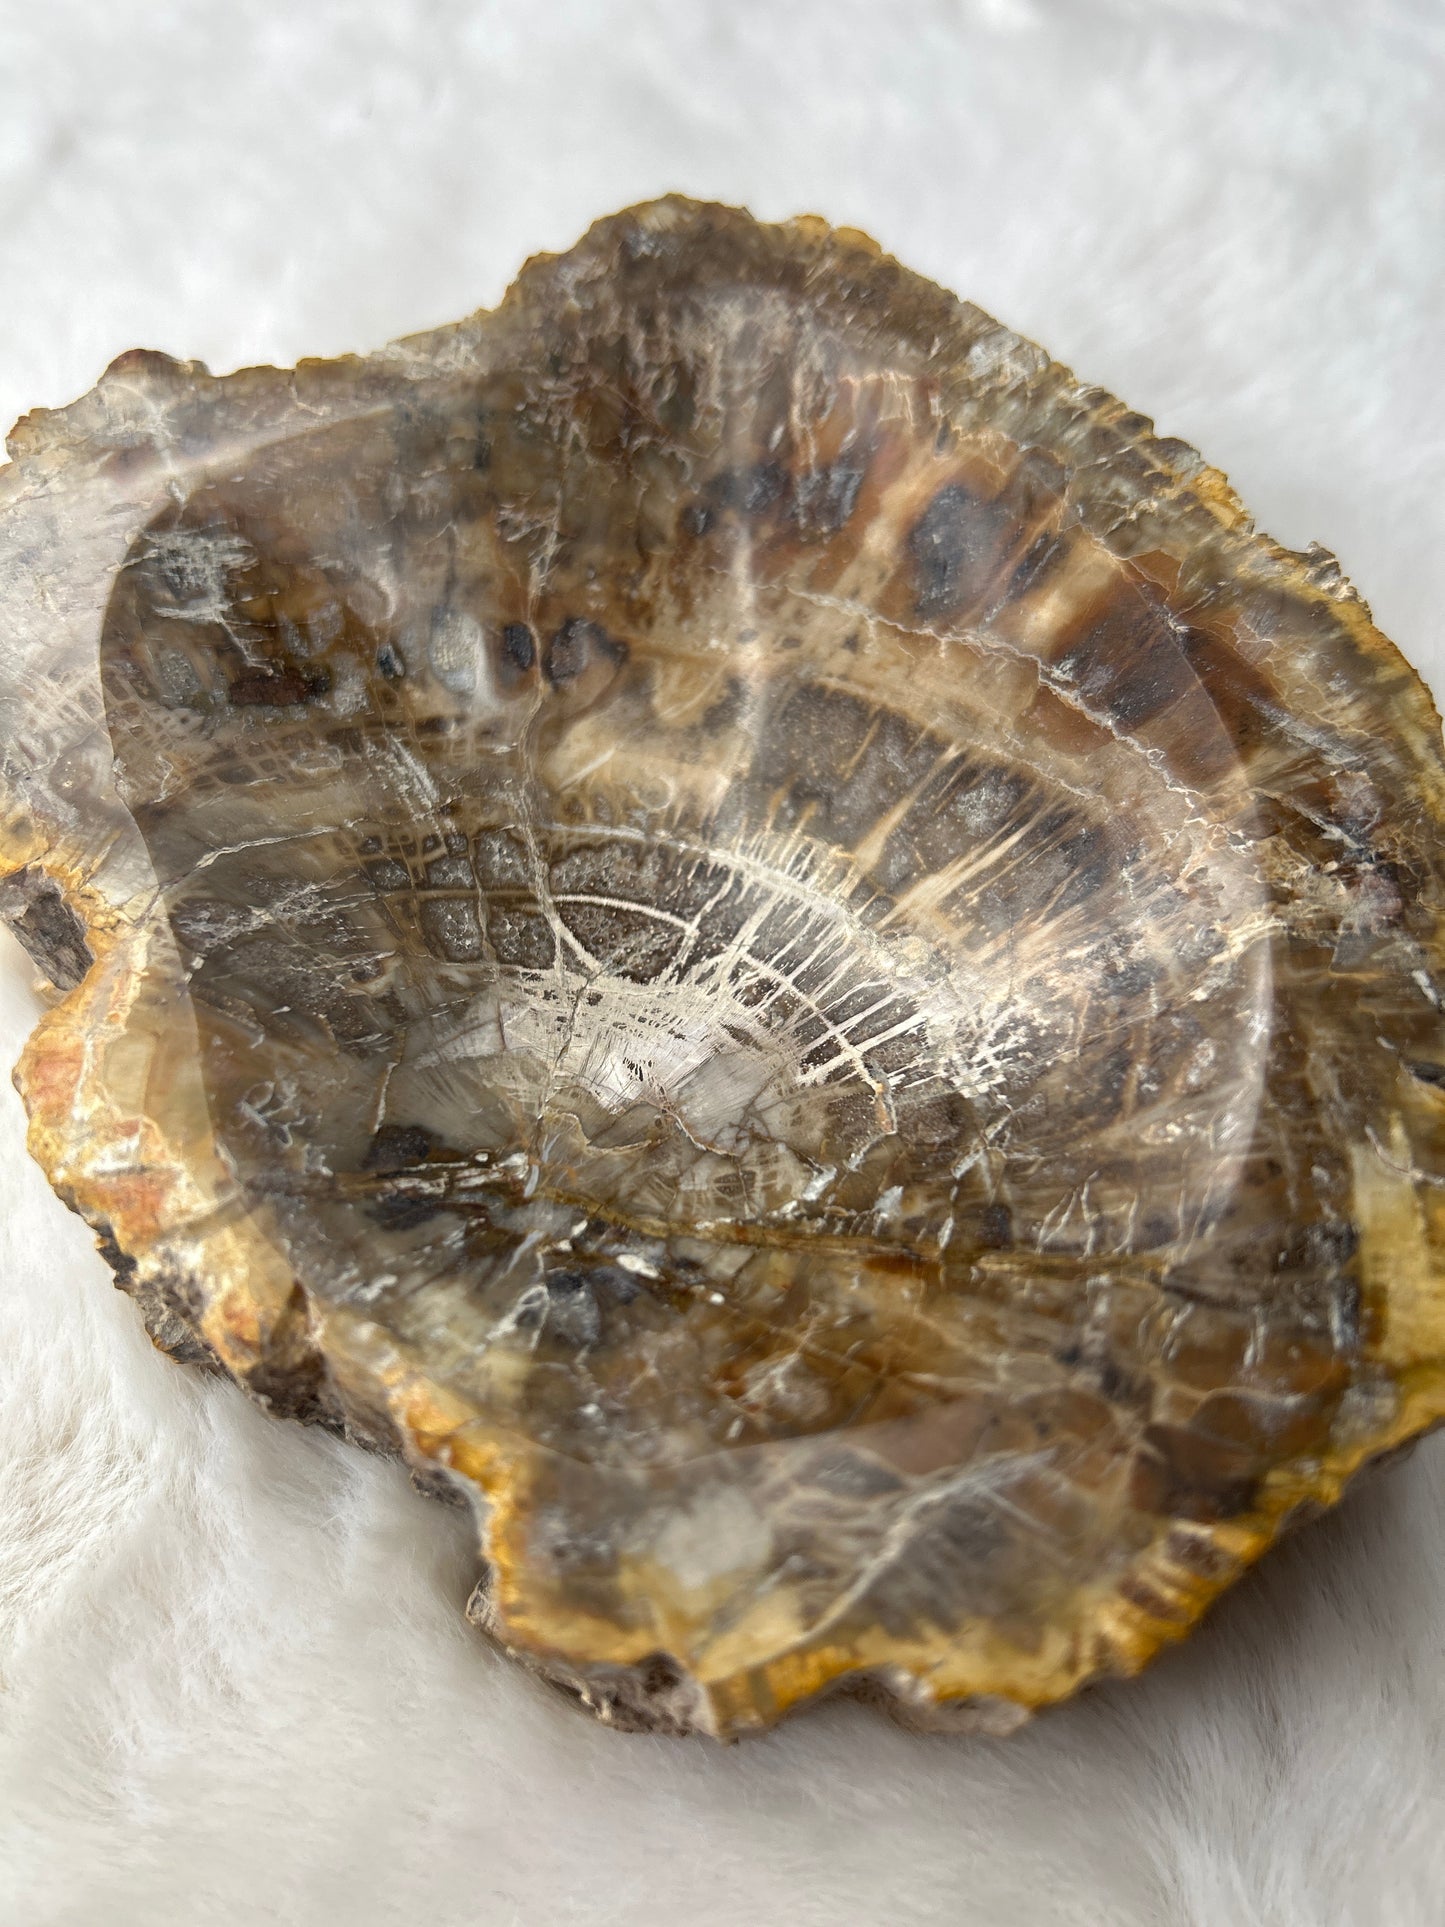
(757, 930)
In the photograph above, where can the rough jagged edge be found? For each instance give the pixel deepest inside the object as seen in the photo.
(652, 1695)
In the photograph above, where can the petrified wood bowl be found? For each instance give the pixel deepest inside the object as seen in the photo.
(755, 929)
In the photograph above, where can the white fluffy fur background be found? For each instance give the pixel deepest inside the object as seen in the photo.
(235, 1681)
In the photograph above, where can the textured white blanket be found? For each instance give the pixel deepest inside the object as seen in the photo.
(235, 1681)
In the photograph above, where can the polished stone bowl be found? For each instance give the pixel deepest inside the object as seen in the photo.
(760, 932)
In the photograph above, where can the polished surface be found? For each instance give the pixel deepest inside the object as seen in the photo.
(758, 931)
